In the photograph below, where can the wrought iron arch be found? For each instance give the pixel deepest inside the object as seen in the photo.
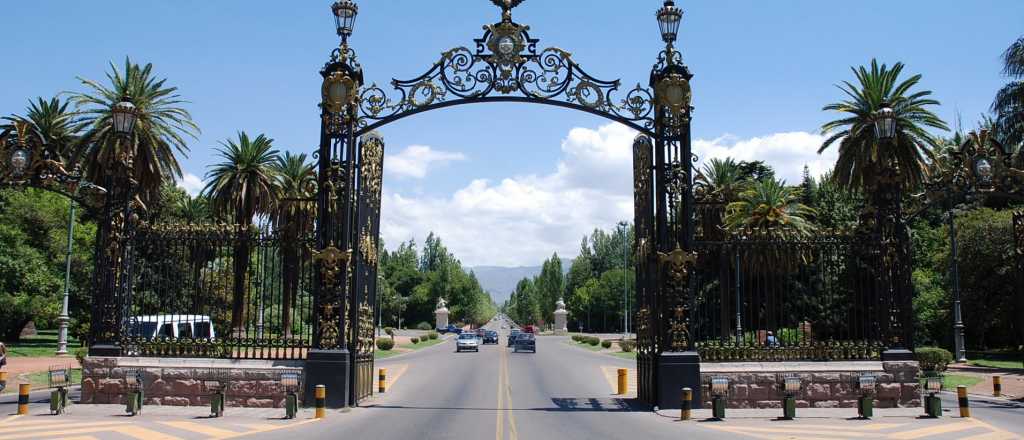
(505, 66)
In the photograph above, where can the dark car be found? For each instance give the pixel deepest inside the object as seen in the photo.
(491, 337)
(512, 337)
(450, 329)
(525, 342)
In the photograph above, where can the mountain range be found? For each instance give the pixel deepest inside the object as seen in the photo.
(500, 281)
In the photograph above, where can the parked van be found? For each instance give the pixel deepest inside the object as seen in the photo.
(171, 327)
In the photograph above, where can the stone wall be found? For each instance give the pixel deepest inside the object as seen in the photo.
(824, 384)
(183, 382)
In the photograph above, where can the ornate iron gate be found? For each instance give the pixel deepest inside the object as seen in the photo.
(366, 234)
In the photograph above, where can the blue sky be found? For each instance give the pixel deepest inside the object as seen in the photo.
(523, 180)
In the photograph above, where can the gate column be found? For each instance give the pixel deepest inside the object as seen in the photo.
(329, 363)
(677, 361)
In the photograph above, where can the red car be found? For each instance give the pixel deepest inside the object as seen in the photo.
(529, 329)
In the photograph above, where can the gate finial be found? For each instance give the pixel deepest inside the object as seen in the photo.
(506, 7)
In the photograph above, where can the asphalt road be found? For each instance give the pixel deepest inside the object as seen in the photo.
(559, 392)
(562, 392)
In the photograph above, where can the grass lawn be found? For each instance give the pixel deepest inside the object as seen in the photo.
(423, 344)
(384, 354)
(951, 381)
(42, 345)
(587, 346)
(42, 379)
(1013, 364)
(630, 355)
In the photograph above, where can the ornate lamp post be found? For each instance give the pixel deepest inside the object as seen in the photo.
(124, 115)
(892, 228)
(981, 165)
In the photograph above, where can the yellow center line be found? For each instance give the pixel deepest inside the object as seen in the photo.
(499, 428)
(514, 434)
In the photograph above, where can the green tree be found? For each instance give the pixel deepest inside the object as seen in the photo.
(836, 206)
(1009, 101)
(769, 209)
(861, 154)
(33, 247)
(549, 284)
(242, 186)
(160, 133)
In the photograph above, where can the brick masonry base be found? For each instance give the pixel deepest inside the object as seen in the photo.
(183, 382)
(824, 384)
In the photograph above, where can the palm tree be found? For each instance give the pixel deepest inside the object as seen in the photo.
(55, 124)
(293, 217)
(769, 209)
(861, 154)
(194, 210)
(242, 186)
(722, 178)
(1009, 102)
(159, 134)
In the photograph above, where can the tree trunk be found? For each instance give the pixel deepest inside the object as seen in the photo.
(241, 270)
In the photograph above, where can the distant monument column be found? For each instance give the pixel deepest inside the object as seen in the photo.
(441, 314)
(561, 317)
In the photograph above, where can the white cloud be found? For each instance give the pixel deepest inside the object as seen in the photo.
(786, 152)
(191, 183)
(521, 220)
(417, 160)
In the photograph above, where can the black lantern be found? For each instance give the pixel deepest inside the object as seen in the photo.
(345, 12)
(19, 161)
(669, 17)
(885, 123)
(125, 114)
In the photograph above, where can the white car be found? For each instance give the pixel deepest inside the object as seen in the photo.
(467, 341)
(171, 327)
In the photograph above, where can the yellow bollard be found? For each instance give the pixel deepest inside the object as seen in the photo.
(997, 386)
(965, 405)
(623, 381)
(321, 401)
(382, 380)
(687, 407)
(23, 390)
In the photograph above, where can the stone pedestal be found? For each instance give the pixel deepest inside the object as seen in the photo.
(561, 317)
(675, 371)
(441, 317)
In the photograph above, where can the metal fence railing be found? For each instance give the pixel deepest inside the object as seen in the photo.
(817, 299)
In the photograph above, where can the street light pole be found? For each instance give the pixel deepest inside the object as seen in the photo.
(625, 284)
(64, 319)
(958, 323)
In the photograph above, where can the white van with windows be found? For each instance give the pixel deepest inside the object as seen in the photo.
(171, 327)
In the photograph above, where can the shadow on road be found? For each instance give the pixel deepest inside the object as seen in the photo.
(569, 404)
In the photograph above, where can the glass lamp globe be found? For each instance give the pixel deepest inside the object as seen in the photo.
(124, 115)
(885, 123)
(345, 12)
(19, 161)
(669, 17)
(983, 169)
